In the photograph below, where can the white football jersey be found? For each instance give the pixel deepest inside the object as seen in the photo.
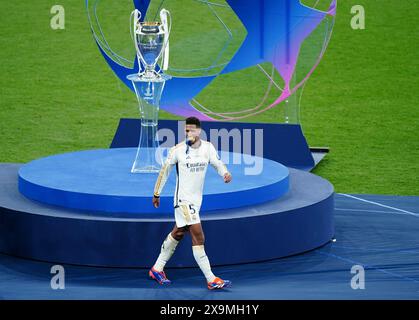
(191, 167)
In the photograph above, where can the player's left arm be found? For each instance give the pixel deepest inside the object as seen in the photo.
(216, 162)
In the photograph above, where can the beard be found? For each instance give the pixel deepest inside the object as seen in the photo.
(190, 140)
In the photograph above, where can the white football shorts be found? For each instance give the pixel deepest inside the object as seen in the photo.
(186, 214)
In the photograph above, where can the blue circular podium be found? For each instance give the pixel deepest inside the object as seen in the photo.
(101, 181)
(298, 220)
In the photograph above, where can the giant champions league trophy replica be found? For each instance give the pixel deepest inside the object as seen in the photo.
(151, 40)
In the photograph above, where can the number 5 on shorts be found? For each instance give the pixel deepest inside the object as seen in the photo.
(192, 209)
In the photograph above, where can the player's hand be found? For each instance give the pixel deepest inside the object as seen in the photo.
(227, 177)
(156, 202)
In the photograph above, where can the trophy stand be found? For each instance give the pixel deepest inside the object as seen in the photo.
(151, 41)
(148, 91)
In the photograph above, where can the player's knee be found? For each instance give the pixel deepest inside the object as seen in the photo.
(179, 233)
(198, 239)
(178, 236)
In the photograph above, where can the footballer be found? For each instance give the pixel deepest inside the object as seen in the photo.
(191, 158)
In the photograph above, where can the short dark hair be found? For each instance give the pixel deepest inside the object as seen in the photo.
(193, 120)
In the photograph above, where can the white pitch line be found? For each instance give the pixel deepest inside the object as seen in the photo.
(366, 210)
(379, 204)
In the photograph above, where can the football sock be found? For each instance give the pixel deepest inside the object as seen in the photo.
(167, 249)
(203, 262)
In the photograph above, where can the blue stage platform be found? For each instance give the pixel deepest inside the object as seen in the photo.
(101, 181)
(86, 208)
(299, 221)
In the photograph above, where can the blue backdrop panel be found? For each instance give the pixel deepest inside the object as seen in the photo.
(100, 180)
(284, 143)
(299, 221)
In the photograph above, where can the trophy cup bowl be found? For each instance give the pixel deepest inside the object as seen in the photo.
(150, 42)
(151, 39)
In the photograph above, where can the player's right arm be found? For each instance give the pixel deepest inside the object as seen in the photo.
(164, 175)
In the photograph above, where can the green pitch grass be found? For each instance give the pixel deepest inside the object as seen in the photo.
(58, 94)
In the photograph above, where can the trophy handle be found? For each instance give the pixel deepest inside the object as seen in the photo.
(137, 16)
(166, 20)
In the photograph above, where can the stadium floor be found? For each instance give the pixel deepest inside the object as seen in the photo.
(381, 233)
